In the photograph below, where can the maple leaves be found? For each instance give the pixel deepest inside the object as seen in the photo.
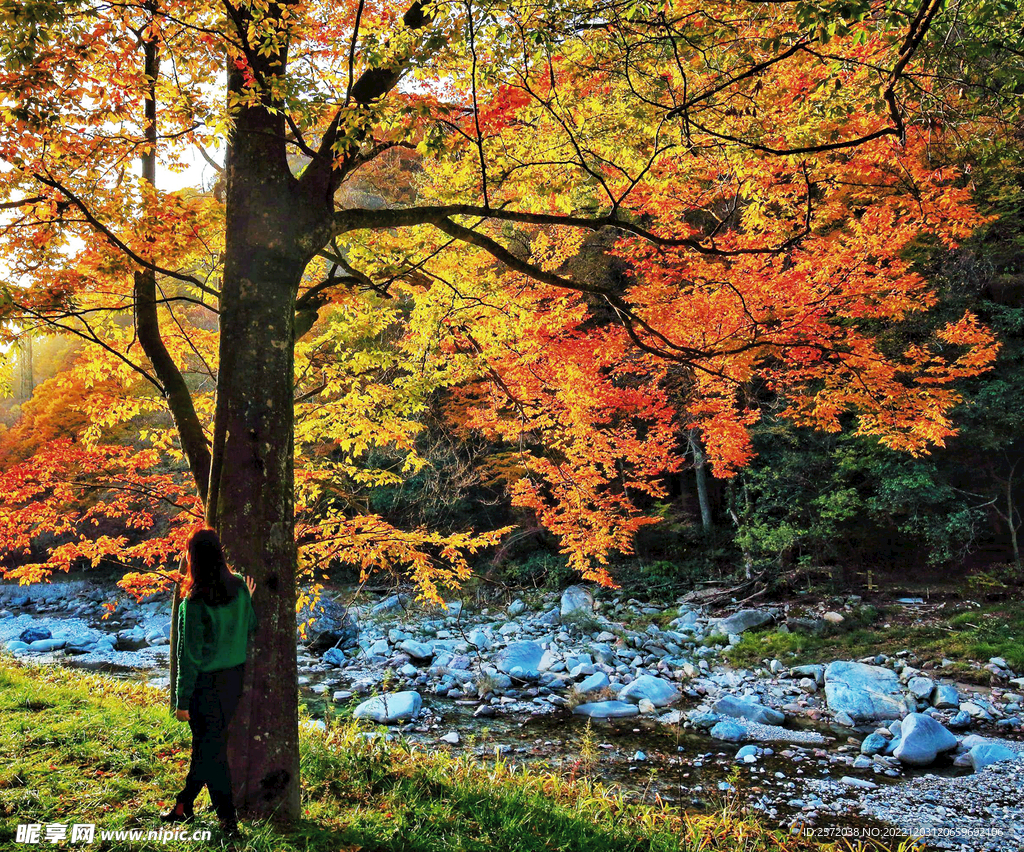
(66, 492)
(773, 254)
(590, 228)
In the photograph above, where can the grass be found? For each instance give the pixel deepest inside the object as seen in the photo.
(582, 622)
(89, 748)
(662, 619)
(967, 638)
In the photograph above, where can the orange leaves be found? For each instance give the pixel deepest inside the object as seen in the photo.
(67, 495)
(582, 415)
(500, 110)
(803, 271)
(982, 346)
(796, 272)
(142, 584)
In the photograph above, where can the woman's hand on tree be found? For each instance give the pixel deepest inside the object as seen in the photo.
(181, 715)
(250, 584)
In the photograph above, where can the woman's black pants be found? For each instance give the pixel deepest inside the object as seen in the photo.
(213, 703)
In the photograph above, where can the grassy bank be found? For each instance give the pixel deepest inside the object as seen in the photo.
(966, 638)
(88, 748)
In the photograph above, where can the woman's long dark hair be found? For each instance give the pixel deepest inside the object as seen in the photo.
(208, 578)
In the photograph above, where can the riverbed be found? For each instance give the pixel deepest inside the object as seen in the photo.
(807, 774)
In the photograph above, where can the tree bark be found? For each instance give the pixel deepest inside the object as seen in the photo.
(270, 237)
(701, 475)
(274, 225)
(254, 514)
(252, 507)
(27, 378)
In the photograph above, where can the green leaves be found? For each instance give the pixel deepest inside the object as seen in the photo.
(827, 19)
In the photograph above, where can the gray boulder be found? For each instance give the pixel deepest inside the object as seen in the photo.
(865, 693)
(393, 707)
(729, 732)
(859, 783)
(813, 626)
(595, 683)
(686, 620)
(132, 636)
(922, 740)
(945, 697)
(921, 687)
(46, 645)
(389, 604)
(576, 600)
(335, 656)
(606, 710)
(745, 619)
(984, 754)
(328, 624)
(752, 711)
(814, 671)
(34, 634)
(549, 617)
(874, 744)
(976, 710)
(159, 635)
(417, 650)
(960, 721)
(379, 648)
(747, 754)
(521, 660)
(658, 691)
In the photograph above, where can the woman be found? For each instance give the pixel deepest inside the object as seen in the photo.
(215, 621)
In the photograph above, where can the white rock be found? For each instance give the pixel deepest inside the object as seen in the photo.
(606, 710)
(393, 707)
(658, 691)
(576, 599)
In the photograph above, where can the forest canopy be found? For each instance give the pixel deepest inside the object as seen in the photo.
(563, 255)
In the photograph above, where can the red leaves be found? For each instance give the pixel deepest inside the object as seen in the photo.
(65, 492)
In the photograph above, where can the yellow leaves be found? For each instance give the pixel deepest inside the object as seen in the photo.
(435, 562)
(142, 584)
(551, 249)
(587, 418)
(29, 573)
(93, 550)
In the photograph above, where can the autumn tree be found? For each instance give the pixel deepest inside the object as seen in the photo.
(754, 173)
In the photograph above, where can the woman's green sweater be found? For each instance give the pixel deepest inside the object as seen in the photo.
(211, 638)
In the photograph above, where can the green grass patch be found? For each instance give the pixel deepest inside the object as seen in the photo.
(967, 638)
(86, 748)
(662, 619)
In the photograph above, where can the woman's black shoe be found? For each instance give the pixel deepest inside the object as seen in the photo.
(179, 813)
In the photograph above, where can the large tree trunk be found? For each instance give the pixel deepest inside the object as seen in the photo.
(252, 507)
(251, 495)
(275, 224)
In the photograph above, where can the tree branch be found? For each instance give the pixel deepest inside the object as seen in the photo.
(358, 218)
(147, 321)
